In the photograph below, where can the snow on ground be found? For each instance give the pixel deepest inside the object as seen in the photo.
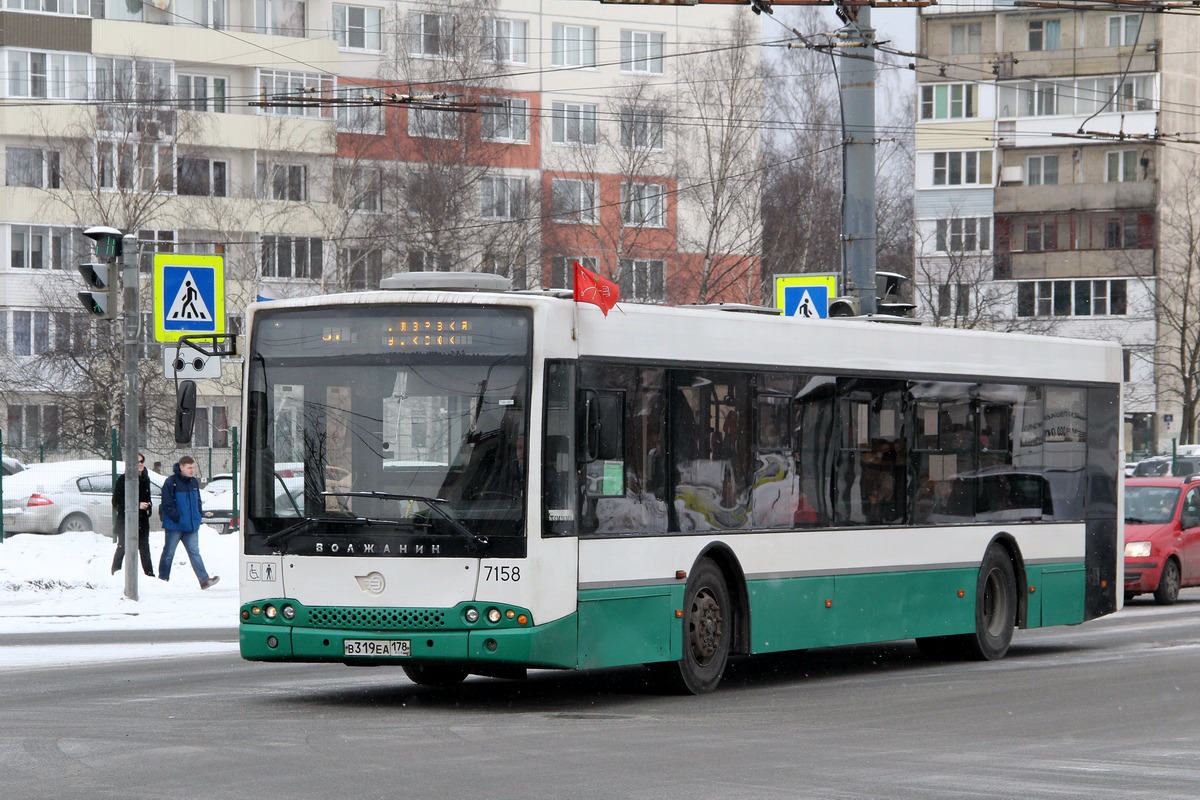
(64, 583)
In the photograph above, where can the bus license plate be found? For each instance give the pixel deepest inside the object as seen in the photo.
(376, 647)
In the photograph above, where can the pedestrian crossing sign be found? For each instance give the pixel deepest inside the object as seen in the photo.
(189, 296)
(805, 296)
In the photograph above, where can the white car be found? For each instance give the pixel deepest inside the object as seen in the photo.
(70, 496)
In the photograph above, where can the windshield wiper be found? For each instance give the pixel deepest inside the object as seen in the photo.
(434, 503)
(292, 530)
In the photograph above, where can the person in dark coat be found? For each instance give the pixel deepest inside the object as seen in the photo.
(182, 516)
(143, 541)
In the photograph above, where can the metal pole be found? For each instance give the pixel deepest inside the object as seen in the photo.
(856, 81)
(132, 317)
(2, 490)
(236, 520)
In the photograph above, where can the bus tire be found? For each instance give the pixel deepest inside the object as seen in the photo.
(995, 607)
(707, 631)
(441, 675)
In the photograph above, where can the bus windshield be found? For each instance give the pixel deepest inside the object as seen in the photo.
(393, 421)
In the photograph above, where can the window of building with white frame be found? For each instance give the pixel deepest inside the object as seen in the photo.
(642, 52)
(573, 123)
(358, 27)
(505, 40)
(573, 45)
(573, 200)
(504, 119)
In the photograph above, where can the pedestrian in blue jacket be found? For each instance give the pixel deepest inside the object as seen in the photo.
(182, 515)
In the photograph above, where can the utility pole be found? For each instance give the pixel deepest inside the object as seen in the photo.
(132, 318)
(856, 81)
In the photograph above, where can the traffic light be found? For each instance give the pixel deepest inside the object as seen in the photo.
(100, 276)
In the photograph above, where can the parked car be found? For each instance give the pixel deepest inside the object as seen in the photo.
(70, 496)
(1161, 465)
(218, 509)
(12, 466)
(1162, 536)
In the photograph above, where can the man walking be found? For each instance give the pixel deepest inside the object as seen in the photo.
(143, 518)
(182, 516)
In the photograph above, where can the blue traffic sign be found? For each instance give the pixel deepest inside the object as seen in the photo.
(189, 296)
(809, 302)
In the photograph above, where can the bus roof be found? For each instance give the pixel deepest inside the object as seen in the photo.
(706, 335)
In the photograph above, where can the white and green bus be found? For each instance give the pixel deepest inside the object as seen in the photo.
(491, 481)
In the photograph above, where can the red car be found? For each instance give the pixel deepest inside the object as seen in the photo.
(1162, 536)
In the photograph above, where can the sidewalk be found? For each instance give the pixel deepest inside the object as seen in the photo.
(64, 583)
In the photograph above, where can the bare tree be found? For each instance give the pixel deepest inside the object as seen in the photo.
(1177, 306)
(720, 174)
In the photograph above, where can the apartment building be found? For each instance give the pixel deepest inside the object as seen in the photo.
(319, 146)
(1048, 198)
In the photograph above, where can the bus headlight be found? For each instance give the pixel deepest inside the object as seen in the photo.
(289, 612)
(269, 612)
(471, 615)
(493, 615)
(1137, 549)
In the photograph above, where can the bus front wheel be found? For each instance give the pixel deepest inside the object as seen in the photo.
(707, 632)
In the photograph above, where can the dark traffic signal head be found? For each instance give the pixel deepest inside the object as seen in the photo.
(100, 299)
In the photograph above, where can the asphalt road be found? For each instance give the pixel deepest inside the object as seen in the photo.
(1110, 709)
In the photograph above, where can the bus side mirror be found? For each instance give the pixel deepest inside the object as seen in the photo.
(185, 412)
(604, 425)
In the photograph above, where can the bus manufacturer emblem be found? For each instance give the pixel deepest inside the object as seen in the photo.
(371, 583)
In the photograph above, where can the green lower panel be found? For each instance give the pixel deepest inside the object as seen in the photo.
(824, 611)
(629, 626)
(549, 645)
(1061, 589)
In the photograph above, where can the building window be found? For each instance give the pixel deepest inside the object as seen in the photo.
(420, 260)
(133, 166)
(642, 280)
(280, 17)
(502, 198)
(966, 39)
(1120, 166)
(366, 118)
(641, 52)
(201, 92)
(357, 27)
(429, 123)
(362, 187)
(643, 204)
(33, 426)
(963, 168)
(510, 266)
(431, 35)
(573, 46)
(504, 40)
(33, 167)
(42, 247)
(562, 270)
(964, 235)
(1044, 34)
(954, 300)
(573, 123)
(1082, 96)
(203, 177)
(505, 120)
(949, 101)
(1067, 298)
(47, 76)
(291, 257)
(363, 267)
(212, 426)
(281, 181)
(1041, 170)
(1123, 29)
(641, 129)
(573, 200)
(72, 8)
(31, 333)
(282, 85)
(201, 13)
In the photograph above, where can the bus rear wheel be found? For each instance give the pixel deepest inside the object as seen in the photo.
(707, 632)
(995, 615)
(442, 675)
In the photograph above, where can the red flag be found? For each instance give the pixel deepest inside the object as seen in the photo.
(595, 289)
